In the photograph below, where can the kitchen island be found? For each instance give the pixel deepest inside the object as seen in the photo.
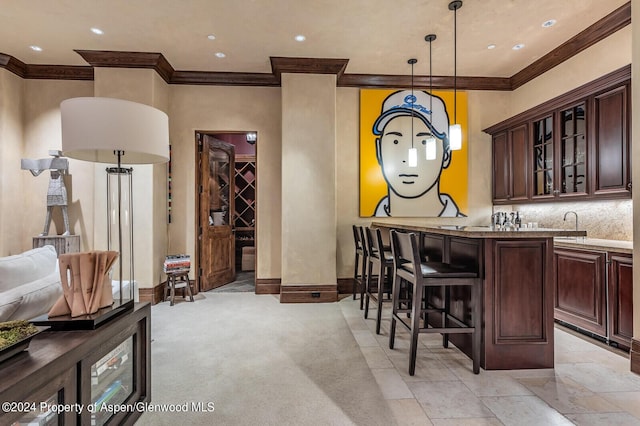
(518, 286)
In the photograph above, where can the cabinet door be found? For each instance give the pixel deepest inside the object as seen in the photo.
(542, 182)
(501, 164)
(518, 139)
(572, 152)
(510, 165)
(612, 171)
(580, 289)
(620, 283)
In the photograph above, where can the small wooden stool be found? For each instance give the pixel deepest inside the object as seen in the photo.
(177, 279)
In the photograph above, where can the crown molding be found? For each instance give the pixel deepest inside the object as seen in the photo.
(280, 65)
(224, 78)
(12, 64)
(114, 59)
(422, 82)
(600, 30)
(59, 72)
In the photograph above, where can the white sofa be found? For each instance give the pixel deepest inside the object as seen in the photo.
(29, 283)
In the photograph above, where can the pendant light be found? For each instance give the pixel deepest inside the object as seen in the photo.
(413, 152)
(430, 144)
(455, 130)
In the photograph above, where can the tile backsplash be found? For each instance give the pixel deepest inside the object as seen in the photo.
(610, 220)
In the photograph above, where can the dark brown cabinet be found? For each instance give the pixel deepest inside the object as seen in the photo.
(573, 147)
(510, 177)
(88, 369)
(594, 292)
(580, 297)
(620, 286)
(612, 171)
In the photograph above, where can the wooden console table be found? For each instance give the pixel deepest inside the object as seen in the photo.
(518, 288)
(78, 369)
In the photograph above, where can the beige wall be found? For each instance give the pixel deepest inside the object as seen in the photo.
(43, 133)
(11, 177)
(308, 179)
(217, 108)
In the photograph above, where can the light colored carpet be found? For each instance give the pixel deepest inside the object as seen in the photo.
(260, 363)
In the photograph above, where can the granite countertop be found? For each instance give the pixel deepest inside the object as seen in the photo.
(483, 231)
(595, 244)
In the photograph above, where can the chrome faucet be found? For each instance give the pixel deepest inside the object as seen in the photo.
(576, 215)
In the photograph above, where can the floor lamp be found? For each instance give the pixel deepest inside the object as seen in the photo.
(116, 131)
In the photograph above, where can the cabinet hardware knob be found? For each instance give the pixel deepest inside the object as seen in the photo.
(556, 191)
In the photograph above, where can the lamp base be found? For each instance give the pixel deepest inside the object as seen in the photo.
(84, 322)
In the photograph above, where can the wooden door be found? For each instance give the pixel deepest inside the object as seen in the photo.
(216, 211)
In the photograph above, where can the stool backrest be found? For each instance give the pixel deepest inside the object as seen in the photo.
(374, 239)
(406, 255)
(357, 239)
(363, 238)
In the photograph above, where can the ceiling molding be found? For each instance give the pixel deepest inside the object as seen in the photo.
(224, 78)
(602, 29)
(59, 72)
(422, 82)
(114, 59)
(12, 64)
(281, 65)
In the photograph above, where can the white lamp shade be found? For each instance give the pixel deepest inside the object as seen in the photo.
(413, 157)
(455, 137)
(93, 128)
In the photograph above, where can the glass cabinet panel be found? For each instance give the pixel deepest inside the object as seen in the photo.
(112, 380)
(42, 415)
(220, 174)
(573, 150)
(543, 156)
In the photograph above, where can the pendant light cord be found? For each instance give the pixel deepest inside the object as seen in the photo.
(412, 100)
(455, 65)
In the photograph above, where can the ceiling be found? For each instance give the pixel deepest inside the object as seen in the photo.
(376, 36)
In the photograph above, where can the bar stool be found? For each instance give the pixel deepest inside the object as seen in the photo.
(177, 279)
(380, 266)
(365, 263)
(358, 273)
(408, 268)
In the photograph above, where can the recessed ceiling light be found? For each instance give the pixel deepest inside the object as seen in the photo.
(36, 48)
(518, 46)
(211, 37)
(549, 23)
(220, 55)
(97, 31)
(300, 38)
(491, 46)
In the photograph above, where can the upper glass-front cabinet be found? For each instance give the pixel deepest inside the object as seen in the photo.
(543, 157)
(573, 150)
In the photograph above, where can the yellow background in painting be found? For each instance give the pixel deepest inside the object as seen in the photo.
(454, 179)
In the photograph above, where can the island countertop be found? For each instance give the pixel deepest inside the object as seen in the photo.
(482, 231)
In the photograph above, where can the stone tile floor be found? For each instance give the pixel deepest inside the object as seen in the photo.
(590, 385)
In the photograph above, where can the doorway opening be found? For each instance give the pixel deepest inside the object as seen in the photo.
(225, 208)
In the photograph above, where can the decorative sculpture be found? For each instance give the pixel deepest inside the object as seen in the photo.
(85, 283)
(57, 192)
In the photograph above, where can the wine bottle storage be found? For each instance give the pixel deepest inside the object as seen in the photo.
(245, 176)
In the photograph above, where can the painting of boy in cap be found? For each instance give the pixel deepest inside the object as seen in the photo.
(408, 120)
